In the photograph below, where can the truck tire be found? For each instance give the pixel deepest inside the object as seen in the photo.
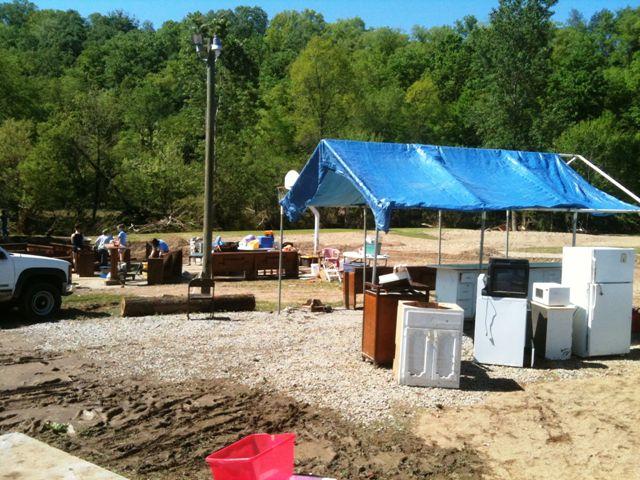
(41, 301)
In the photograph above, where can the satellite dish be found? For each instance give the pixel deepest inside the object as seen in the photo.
(290, 179)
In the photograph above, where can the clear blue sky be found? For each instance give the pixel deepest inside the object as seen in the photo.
(401, 14)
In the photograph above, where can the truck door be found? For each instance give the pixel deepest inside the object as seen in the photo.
(6, 275)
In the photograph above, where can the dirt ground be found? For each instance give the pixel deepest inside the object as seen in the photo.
(573, 429)
(576, 428)
(146, 430)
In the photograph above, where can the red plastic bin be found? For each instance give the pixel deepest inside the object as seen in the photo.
(256, 457)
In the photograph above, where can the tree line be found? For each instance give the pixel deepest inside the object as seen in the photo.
(103, 117)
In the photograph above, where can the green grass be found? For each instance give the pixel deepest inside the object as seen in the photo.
(91, 304)
(413, 233)
(103, 298)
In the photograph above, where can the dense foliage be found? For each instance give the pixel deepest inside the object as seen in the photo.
(104, 114)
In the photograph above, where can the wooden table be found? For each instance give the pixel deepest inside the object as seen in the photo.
(357, 257)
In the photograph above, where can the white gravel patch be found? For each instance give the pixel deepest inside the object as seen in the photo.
(314, 358)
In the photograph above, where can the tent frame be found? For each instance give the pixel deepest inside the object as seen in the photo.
(569, 158)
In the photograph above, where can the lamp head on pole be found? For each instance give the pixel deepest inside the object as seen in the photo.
(207, 47)
(216, 46)
(196, 38)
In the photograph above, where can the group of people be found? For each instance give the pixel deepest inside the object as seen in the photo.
(159, 247)
(105, 241)
(101, 245)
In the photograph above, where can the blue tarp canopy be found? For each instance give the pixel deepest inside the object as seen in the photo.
(390, 176)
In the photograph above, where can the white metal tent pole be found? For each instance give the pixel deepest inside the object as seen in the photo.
(316, 229)
(364, 252)
(575, 228)
(506, 241)
(601, 172)
(439, 237)
(375, 258)
(280, 260)
(484, 218)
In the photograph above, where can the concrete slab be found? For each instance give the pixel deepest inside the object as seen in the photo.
(25, 458)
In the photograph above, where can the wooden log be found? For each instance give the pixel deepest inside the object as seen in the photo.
(170, 304)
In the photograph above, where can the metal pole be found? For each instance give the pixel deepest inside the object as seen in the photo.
(605, 175)
(280, 260)
(209, 167)
(506, 245)
(484, 218)
(375, 258)
(439, 237)
(575, 228)
(364, 252)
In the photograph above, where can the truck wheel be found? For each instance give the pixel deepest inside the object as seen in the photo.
(41, 301)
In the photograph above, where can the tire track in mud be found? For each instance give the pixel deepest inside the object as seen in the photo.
(148, 430)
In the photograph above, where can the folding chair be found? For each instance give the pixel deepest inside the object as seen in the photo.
(331, 264)
(199, 283)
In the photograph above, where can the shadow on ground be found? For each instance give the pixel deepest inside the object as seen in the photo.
(11, 318)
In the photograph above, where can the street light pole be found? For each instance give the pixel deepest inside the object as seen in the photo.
(212, 52)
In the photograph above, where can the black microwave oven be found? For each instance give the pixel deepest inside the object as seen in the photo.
(507, 277)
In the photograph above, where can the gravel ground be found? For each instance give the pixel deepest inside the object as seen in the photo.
(312, 357)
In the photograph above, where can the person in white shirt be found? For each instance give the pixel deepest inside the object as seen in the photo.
(100, 247)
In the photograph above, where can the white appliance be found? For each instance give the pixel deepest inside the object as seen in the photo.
(428, 344)
(552, 328)
(601, 284)
(551, 294)
(501, 335)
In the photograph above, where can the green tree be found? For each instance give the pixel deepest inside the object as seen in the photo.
(72, 165)
(512, 67)
(15, 145)
(321, 86)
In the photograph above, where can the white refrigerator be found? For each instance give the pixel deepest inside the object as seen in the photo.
(601, 283)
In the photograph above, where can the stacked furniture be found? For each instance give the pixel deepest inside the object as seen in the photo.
(379, 320)
(254, 263)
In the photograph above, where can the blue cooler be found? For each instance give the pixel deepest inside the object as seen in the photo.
(265, 242)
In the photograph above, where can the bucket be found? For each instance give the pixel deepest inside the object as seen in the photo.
(256, 457)
(315, 269)
(371, 247)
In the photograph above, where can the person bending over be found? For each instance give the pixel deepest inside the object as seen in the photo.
(159, 248)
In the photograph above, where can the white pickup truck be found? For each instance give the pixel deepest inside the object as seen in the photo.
(35, 283)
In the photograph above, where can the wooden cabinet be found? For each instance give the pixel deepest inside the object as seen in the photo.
(166, 269)
(379, 324)
(251, 264)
